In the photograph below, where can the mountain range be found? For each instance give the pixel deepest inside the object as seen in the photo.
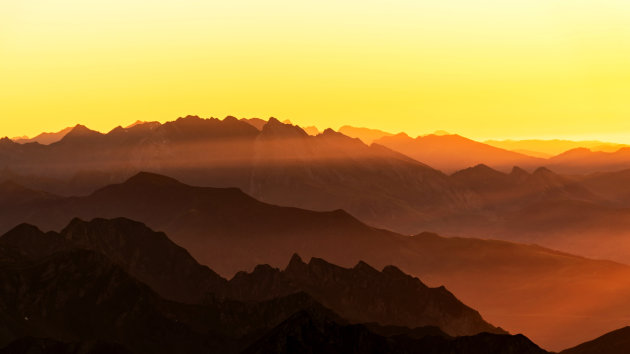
(281, 164)
(59, 286)
(209, 223)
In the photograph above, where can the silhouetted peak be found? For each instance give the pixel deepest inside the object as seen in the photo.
(295, 264)
(330, 131)
(479, 171)
(82, 130)
(394, 271)
(482, 169)
(154, 179)
(21, 231)
(230, 119)
(330, 135)
(364, 267)
(276, 129)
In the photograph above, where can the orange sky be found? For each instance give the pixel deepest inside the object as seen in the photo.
(480, 68)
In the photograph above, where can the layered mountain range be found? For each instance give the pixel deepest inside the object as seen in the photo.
(100, 287)
(230, 232)
(281, 164)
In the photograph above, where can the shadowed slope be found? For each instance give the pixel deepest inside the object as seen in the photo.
(616, 342)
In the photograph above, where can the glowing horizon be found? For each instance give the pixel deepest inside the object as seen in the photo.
(482, 69)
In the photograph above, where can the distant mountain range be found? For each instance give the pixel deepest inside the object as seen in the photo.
(281, 164)
(230, 232)
(553, 147)
(450, 153)
(62, 288)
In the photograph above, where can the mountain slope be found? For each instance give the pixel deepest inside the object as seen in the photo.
(450, 153)
(616, 342)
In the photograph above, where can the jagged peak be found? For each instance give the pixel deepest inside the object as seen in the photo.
(295, 263)
(80, 131)
(364, 267)
(275, 128)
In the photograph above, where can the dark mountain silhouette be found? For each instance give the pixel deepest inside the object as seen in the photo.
(360, 294)
(616, 342)
(308, 333)
(452, 152)
(230, 231)
(52, 289)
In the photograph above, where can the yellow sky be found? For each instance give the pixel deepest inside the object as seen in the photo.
(481, 68)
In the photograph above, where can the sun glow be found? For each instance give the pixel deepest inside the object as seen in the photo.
(483, 69)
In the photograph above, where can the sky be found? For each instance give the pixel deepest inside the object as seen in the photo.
(480, 68)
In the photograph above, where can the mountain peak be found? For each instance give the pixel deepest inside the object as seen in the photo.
(275, 128)
(149, 178)
(365, 268)
(80, 132)
(295, 264)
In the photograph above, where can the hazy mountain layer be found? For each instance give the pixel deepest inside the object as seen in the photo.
(229, 231)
